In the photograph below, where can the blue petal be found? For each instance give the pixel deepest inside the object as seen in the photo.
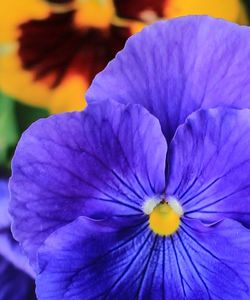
(93, 260)
(176, 67)
(210, 165)
(12, 252)
(102, 260)
(15, 272)
(103, 161)
(4, 198)
(14, 284)
(9, 248)
(213, 261)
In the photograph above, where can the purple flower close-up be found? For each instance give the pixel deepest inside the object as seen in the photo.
(16, 276)
(146, 193)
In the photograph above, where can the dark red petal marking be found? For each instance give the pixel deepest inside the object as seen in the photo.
(132, 9)
(54, 48)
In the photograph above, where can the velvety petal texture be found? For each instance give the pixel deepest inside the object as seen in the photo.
(103, 161)
(178, 66)
(210, 165)
(100, 260)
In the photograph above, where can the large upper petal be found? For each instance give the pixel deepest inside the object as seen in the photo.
(209, 165)
(176, 67)
(103, 161)
(99, 260)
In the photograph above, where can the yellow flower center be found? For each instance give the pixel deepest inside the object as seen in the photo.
(164, 220)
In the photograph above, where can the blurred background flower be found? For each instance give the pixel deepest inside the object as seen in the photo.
(50, 50)
(16, 277)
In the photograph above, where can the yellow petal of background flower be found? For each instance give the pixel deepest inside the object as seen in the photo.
(95, 13)
(14, 12)
(231, 10)
(16, 82)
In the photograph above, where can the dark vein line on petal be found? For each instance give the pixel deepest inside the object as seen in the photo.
(97, 260)
(216, 201)
(163, 266)
(86, 183)
(103, 164)
(203, 190)
(178, 265)
(193, 265)
(130, 264)
(137, 296)
(189, 188)
(210, 253)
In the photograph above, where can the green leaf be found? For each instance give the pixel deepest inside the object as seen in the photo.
(15, 118)
(8, 128)
(26, 115)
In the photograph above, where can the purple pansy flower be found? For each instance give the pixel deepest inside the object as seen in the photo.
(145, 194)
(16, 282)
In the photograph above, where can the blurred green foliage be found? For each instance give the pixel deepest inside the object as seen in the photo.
(247, 3)
(15, 118)
(8, 128)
